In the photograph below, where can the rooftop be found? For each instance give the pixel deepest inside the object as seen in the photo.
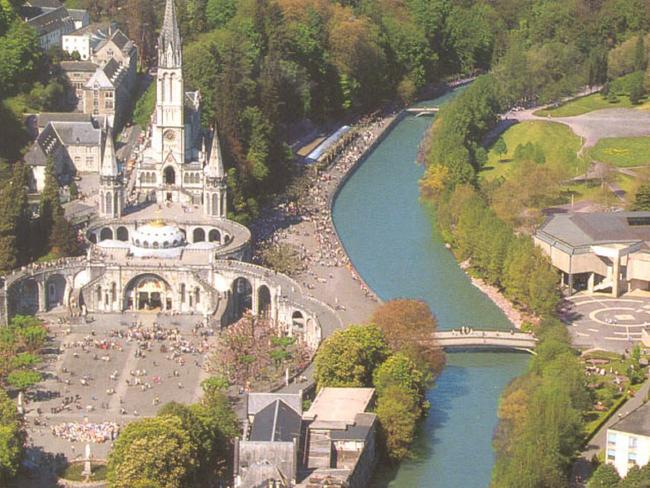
(46, 117)
(277, 422)
(78, 133)
(257, 401)
(635, 422)
(339, 405)
(88, 66)
(586, 229)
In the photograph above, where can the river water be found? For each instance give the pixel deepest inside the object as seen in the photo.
(390, 238)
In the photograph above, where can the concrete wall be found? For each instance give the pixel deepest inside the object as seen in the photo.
(620, 450)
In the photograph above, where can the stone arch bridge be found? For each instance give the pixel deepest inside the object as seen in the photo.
(486, 339)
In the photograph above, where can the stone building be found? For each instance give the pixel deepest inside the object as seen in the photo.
(332, 444)
(85, 40)
(175, 251)
(603, 251)
(74, 143)
(52, 20)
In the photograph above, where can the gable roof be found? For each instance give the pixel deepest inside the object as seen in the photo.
(277, 422)
(45, 118)
(107, 77)
(46, 20)
(257, 401)
(44, 146)
(78, 133)
(86, 66)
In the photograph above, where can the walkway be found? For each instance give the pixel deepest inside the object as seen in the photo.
(486, 339)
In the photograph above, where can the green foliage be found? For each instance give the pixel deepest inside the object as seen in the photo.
(398, 411)
(12, 438)
(155, 448)
(219, 12)
(530, 152)
(349, 357)
(23, 379)
(500, 147)
(400, 370)
(144, 107)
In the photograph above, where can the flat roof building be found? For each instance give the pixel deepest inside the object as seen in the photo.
(602, 251)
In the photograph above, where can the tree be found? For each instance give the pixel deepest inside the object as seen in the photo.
(155, 448)
(640, 55)
(605, 476)
(62, 237)
(398, 411)
(642, 198)
(50, 203)
(349, 357)
(500, 147)
(408, 326)
(219, 12)
(12, 439)
(400, 370)
(23, 379)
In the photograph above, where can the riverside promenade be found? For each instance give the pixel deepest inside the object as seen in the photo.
(307, 225)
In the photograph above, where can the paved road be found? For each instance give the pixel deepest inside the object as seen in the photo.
(583, 467)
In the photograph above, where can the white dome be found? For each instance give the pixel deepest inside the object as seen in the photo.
(157, 235)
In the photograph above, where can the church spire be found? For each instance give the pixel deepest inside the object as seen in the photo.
(169, 42)
(215, 164)
(109, 161)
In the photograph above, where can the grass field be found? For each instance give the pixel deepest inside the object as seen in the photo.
(623, 152)
(584, 105)
(558, 141)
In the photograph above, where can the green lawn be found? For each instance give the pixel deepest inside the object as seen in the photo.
(622, 151)
(583, 105)
(558, 141)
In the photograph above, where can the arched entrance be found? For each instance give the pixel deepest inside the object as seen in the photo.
(242, 294)
(55, 291)
(214, 236)
(198, 235)
(122, 234)
(25, 297)
(264, 302)
(169, 176)
(298, 320)
(148, 292)
(105, 234)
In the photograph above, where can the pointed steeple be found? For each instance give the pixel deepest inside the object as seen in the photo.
(215, 164)
(109, 160)
(169, 42)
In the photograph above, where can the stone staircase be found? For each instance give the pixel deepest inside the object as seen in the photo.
(214, 294)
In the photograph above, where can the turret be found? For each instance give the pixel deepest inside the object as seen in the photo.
(111, 192)
(215, 191)
(170, 52)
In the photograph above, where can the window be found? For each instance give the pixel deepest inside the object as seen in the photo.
(89, 160)
(611, 438)
(108, 104)
(632, 442)
(611, 454)
(631, 458)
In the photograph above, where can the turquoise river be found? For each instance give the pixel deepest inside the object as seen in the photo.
(390, 238)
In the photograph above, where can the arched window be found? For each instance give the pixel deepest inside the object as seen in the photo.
(165, 244)
(99, 293)
(108, 207)
(145, 244)
(214, 236)
(215, 204)
(199, 235)
(162, 87)
(182, 292)
(197, 296)
(156, 245)
(113, 293)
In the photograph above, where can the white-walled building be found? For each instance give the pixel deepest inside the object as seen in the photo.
(52, 20)
(628, 440)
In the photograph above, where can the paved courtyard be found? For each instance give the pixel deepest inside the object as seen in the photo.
(604, 322)
(115, 369)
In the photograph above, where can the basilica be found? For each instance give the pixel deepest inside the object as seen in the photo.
(161, 241)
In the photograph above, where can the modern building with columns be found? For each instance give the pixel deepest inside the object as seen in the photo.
(175, 252)
(599, 252)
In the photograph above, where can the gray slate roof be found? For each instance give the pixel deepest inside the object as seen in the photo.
(586, 229)
(45, 145)
(78, 133)
(44, 3)
(87, 66)
(636, 422)
(277, 422)
(47, 117)
(48, 20)
(257, 401)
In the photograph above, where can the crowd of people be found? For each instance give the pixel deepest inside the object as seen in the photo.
(278, 224)
(87, 432)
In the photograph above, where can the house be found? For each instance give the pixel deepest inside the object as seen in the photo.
(332, 444)
(600, 251)
(84, 41)
(268, 453)
(106, 93)
(75, 146)
(52, 21)
(341, 445)
(628, 440)
(78, 73)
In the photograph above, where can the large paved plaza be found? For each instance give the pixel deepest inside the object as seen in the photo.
(605, 322)
(113, 370)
